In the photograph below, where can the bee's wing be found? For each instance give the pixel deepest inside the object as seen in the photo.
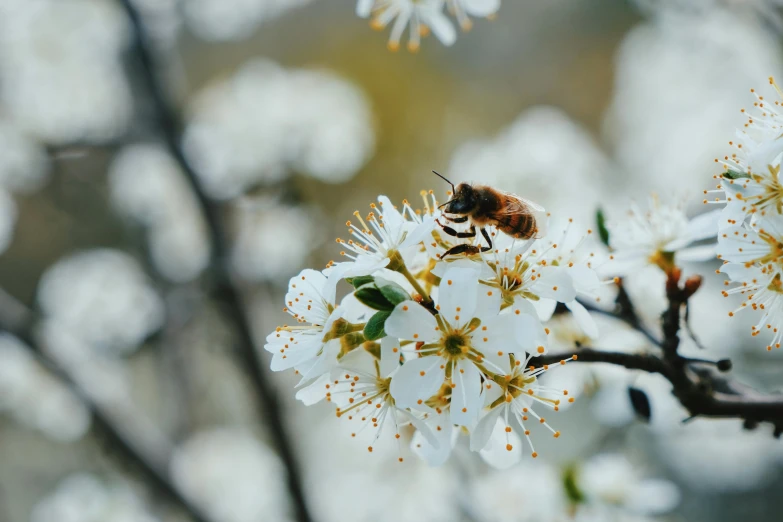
(530, 207)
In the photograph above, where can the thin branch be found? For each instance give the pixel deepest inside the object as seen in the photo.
(645, 362)
(20, 322)
(702, 390)
(170, 128)
(628, 317)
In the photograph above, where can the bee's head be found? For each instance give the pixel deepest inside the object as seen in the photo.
(463, 201)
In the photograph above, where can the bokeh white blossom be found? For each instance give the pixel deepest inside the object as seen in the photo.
(232, 476)
(266, 122)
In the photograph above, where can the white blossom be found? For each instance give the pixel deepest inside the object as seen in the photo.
(431, 345)
(514, 496)
(361, 391)
(386, 236)
(466, 336)
(311, 348)
(82, 497)
(661, 236)
(103, 297)
(232, 476)
(751, 180)
(266, 121)
(610, 483)
(464, 9)
(233, 19)
(273, 240)
(148, 186)
(754, 262)
(23, 162)
(60, 63)
(510, 403)
(421, 15)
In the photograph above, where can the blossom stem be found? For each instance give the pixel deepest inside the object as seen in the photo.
(401, 268)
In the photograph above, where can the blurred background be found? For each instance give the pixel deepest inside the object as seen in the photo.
(136, 387)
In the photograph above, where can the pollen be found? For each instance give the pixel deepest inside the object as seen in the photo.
(509, 447)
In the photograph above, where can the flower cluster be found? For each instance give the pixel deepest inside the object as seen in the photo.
(424, 16)
(443, 343)
(750, 239)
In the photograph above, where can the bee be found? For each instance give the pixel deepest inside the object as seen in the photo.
(486, 206)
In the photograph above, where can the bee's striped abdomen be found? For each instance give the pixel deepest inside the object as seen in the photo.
(519, 225)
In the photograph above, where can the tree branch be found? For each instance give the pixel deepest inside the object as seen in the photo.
(170, 128)
(701, 389)
(20, 322)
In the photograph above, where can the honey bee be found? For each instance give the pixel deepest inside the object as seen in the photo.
(486, 206)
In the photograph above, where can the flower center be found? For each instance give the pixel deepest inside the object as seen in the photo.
(456, 344)
(664, 260)
(775, 254)
(773, 189)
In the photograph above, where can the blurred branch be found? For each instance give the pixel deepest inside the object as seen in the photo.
(170, 127)
(21, 322)
(623, 311)
(698, 384)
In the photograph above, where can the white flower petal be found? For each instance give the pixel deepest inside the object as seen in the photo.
(704, 225)
(442, 28)
(653, 497)
(481, 7)
(412, 322)
(696, 254)
(417, 379)
(624, 263)
(364, 8)
(458, 295)
(435, 455)
(356, 361)
(496, 452)
(390, 355)
(583, 319)
(313, 393)
(480, 435)
(585, 279)
(738, 272)
(554, 283)
(530, 334)
(297, 353)
(466, 394)
(421, 427)
(545, 308)
(323, 363)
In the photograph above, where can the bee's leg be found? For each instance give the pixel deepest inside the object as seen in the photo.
(450, 231)
(461, 249)
(460, 219)
(489, 241)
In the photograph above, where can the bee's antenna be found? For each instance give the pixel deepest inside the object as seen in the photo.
(453, 190)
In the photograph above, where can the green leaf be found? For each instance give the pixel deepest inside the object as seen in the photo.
(735, 174)
(394, 293)
(373, 330)
(600, 220)
(571, 487)
(372, 297)
(359, 281)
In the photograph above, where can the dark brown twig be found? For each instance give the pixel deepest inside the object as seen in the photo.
(703, 391)
(170, 127)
